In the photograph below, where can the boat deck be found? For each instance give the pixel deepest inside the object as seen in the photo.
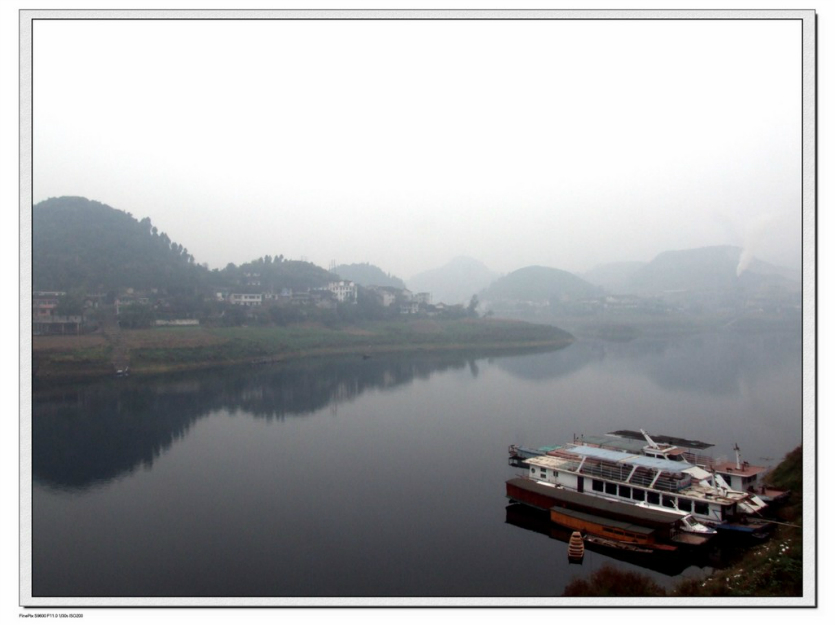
(745, 469)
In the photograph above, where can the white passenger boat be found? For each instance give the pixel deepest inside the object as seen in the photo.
(652, 474)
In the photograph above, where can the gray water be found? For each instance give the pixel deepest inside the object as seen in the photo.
(379, 477)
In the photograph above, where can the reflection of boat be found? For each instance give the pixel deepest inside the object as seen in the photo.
(668, 563)
(654, 475)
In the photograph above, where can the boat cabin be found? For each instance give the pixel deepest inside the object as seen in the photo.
(635, 479)
(741, 475)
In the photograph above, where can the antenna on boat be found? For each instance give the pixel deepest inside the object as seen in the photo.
(651, 442)
(736, 449)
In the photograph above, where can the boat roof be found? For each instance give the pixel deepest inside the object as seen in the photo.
(673, 466)
(549, 462)
(745, 470)
(613, 441)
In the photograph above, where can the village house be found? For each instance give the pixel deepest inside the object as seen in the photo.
(345, 290)
(386, 294)
(44, 302)
(126, 301)
(246, 299)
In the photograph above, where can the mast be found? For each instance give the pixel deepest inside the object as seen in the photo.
(651, 442)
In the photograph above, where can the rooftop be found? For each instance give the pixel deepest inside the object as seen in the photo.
(672, 466)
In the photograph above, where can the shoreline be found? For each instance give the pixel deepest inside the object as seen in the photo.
(88, 358)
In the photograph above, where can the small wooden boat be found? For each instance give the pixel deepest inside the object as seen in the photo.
(576, 548)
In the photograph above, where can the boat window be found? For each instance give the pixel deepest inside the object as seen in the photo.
(653, 498)
(638, 494)
(685, 505)
(624, 491)
(702, 508)
(533, 469)
(555, 474)
(611, 489)
(597, 485)
(668, 502)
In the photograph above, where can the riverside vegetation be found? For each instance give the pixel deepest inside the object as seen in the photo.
(167, 349)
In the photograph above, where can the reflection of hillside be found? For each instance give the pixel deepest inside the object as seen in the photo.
(95, 433)
(714, 364)
(86, 435)
(553, 364)
(711, 363)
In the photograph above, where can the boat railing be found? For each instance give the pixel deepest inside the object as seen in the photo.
(701, 460)
(603, 471)
(645, 479)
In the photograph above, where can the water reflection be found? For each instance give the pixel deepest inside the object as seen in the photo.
(712, 364)
(539, 521)
(89, 434)
(351, 477)
(554, 365)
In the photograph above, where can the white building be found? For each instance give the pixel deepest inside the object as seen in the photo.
(344, 290)
(245, 299)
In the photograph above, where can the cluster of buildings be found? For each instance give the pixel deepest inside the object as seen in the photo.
(342, 291)
(327, 297)
(160, 311)
(45, 317)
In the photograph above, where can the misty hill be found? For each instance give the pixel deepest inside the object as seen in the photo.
(538, 284)
(271, 274)
(454, 283)
(614, 277)
(366, 274)
(707, 269)
(82, 244)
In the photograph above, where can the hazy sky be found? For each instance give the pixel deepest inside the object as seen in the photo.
(406, 143)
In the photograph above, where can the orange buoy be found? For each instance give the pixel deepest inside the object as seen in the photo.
(576, 548)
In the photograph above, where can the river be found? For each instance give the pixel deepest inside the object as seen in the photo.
(381, 477)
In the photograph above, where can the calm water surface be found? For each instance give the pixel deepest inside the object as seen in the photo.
(380, 477)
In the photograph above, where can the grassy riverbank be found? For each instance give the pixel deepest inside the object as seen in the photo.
(168, 349)
(773, 568)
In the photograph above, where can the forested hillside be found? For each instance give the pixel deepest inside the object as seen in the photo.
(80, 244)
(366, 274)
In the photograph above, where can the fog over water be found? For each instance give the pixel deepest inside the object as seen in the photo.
(407, 143)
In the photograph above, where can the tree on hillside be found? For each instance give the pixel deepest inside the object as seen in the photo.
(472, 309)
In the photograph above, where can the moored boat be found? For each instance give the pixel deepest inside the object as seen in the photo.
(624, 524)
(652, 475)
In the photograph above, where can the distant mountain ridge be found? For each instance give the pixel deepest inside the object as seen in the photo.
(454, 283)
(714, 269)
(80, 244)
